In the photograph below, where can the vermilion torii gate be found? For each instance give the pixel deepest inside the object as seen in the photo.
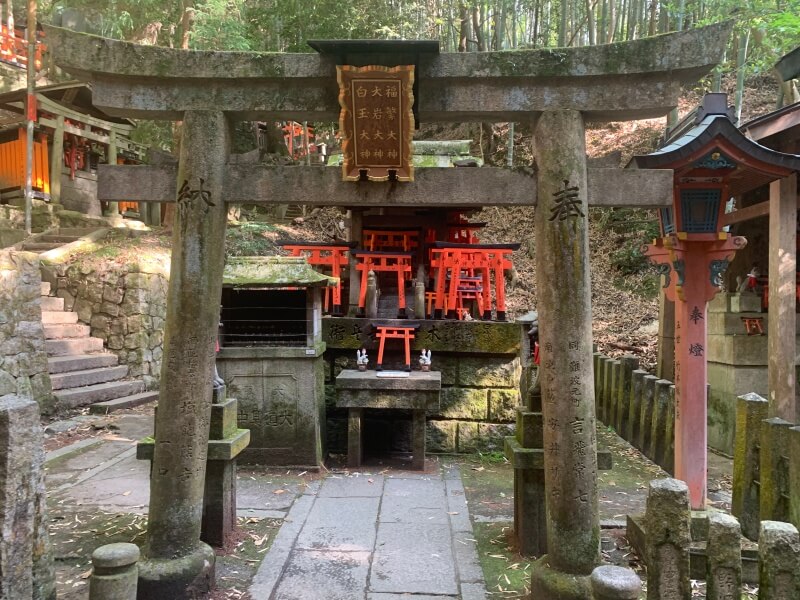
(556, 89)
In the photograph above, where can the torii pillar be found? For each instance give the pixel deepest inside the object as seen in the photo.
(696, 260)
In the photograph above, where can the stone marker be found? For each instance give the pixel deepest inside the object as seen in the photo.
(635, 406)
(646, 414)
(779, 561)
(628, 364)
(176, 564)
(774, 447)
(372, 295)
(660, 414)
(615, 583)
(751, 409)
(26, 567)
(570, 442)
(794, 476)
(114, 574)
(667, 526)
(723, 558)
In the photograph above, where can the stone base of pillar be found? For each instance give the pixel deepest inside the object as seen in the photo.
(219, 502)
(185, 578)
(547, 582)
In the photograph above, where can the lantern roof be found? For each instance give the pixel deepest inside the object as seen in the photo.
(711, 147)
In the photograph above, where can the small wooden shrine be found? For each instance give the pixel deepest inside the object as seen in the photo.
(71, 137)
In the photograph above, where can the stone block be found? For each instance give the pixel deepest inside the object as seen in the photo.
(635, 405)
(612, 393)
(468, 437)
(113, 294)
(628, 364)
(448, 367)
(773, 471)
(779, 561)
(25, 555)
(464, 403)
(488, 372)
(794, 476)
(751, 410)
(529, 430)
(503, 405)
(743, 302)
(492, 436)
(441, 436)
(667, 522)
(655, 450)
(115, 573)
(615, 583)
(724, 557)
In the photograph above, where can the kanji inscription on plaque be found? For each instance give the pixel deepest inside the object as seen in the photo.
(376, 122)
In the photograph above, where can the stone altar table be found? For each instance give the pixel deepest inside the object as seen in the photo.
(417, 392)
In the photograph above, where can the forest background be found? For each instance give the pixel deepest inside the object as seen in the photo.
(764, 31)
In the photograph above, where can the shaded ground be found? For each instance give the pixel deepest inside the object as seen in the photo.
(98, 493)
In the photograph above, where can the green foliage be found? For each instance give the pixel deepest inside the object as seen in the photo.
(250, 239)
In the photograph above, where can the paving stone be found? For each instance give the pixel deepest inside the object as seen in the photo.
(473, 591)
(312, 575)
(413, 501)
(259, 492)
(457, 506)
(467, 561)
(341, 524)
(352, 487)
(381, 596)
(413, 558)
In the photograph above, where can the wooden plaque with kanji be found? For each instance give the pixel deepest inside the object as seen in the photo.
(376, 121)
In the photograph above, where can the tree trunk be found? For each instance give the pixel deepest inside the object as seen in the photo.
(463, 32)
(744, 38)
(476, 27)
(590, 22)
(562, 28)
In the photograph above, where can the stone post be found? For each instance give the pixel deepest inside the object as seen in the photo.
(794, 476)
(646, 413)
(115, 574)
(751, 409)
(779, 561)
(635, 405)
(782, 316)
(612, 394)
(615, 583)
(667, 526)
(627, 365)
(419, 299)
(774, 471)
(601, 385)
(666, 335)
(723, 558)
(667, 458)
(372, 296)
(26, 564)
(570, 440)
(176, 563)
(355, 234)
(655, 450)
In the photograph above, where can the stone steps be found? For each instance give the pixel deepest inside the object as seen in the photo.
(60, 239)
(80, 362)
(56, 317)
(74, 379)
(66, 330)
(52, 304)
(100, 392)
(109, 406)
(81, 373)
(66, 346)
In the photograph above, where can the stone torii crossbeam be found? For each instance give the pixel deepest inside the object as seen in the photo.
(557, 89)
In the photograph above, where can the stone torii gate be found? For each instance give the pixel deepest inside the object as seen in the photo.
(557, 89)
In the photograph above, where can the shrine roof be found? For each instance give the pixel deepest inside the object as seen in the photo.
(272, 272)
(752, 166)
(777, 122)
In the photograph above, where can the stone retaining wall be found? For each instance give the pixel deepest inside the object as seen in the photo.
(125, 305)
(480, 384)
(23, 358)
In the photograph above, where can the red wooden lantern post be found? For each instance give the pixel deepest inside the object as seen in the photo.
(696, 261)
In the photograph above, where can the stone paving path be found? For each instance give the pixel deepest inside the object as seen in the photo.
(375, 537)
